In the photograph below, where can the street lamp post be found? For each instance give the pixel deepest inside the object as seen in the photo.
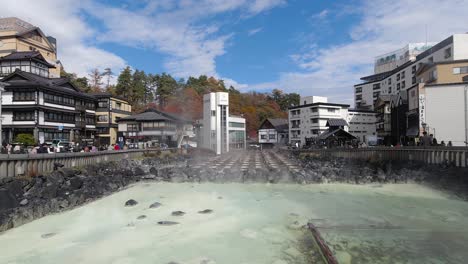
(2, 89)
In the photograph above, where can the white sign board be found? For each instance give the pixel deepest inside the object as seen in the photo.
(422, 109)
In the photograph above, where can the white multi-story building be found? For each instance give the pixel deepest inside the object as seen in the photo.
(309, 119)
(219, 127)
(398, 72)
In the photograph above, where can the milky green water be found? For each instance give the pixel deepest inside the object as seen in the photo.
(252, 224)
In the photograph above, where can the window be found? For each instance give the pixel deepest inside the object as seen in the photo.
(389, 81)
(315, 110)
(331, 110)
(403, 84)
(102, 118)
(376, 86)
(413, 69)
(358, 89)
(272, 136)
(118, 105)
(431, 60)
(90, 105)
(448, 52)
(90, 120)
(314, 121)
(402, 75)
(398, 86)
(358, 97)
(103, 103)
(263, 136)
(460, 70)
(434, 75)
(23, 116)
(236, 124)
(398, 77)
(132, 127)
(213, 113)
(305, 102)
(24, 96)
(413, 80)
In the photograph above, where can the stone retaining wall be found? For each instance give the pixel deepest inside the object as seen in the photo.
(37, 164)
(454, 156)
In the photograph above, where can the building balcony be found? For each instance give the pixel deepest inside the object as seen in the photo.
(80, 124)
(80, 108)
(295, 126)
(294, 116)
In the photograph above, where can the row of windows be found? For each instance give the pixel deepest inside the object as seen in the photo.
(102, 118)
(236, 124)
(59, 117)
(59, 99)
(24, 96)
(270, 136)
(103, 103)
(24, 116)
(157, 125)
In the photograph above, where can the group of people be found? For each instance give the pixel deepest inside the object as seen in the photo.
(430, 140)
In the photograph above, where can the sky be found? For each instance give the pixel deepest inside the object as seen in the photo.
(311, 47)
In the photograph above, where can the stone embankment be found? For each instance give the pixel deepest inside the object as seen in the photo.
(25, 199)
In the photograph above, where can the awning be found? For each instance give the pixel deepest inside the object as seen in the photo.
(412, 131)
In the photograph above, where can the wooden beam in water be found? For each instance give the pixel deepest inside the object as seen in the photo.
(325, 251)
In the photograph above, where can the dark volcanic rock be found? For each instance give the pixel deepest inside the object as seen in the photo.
(76, 183)
(141, 217)
(206, 211)
(155, 205)
(131, 202)
(48, 235)
(7, 200)
(178, 213)
(167, 223)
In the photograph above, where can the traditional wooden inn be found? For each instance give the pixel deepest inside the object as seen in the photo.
(48, 108)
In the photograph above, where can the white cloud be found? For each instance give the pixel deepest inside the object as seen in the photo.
(254, 31)
(322, 15)
(176, 29)
(61, 19)
(385, 26)
(263, 5)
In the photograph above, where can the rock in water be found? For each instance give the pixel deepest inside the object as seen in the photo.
(206, 211)
(131, 202)
(141, 217)
(24, 202)
(48, 235)
(155, 205)
(167, 223)
(178, 213)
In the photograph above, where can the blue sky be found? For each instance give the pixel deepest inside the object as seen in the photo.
(305, 46)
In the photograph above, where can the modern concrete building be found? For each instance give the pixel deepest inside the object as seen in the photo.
(154, 127)
(399, 75)
(17, 35)
(109, 109)
(273, 131)
(237, 134)
(218, 127)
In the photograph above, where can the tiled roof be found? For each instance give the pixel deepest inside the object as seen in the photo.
(26, 55)
(15, 24)
(336, 122)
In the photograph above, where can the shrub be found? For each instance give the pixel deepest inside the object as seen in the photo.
(25, 139)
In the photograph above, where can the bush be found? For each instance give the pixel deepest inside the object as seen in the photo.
(25, 139)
